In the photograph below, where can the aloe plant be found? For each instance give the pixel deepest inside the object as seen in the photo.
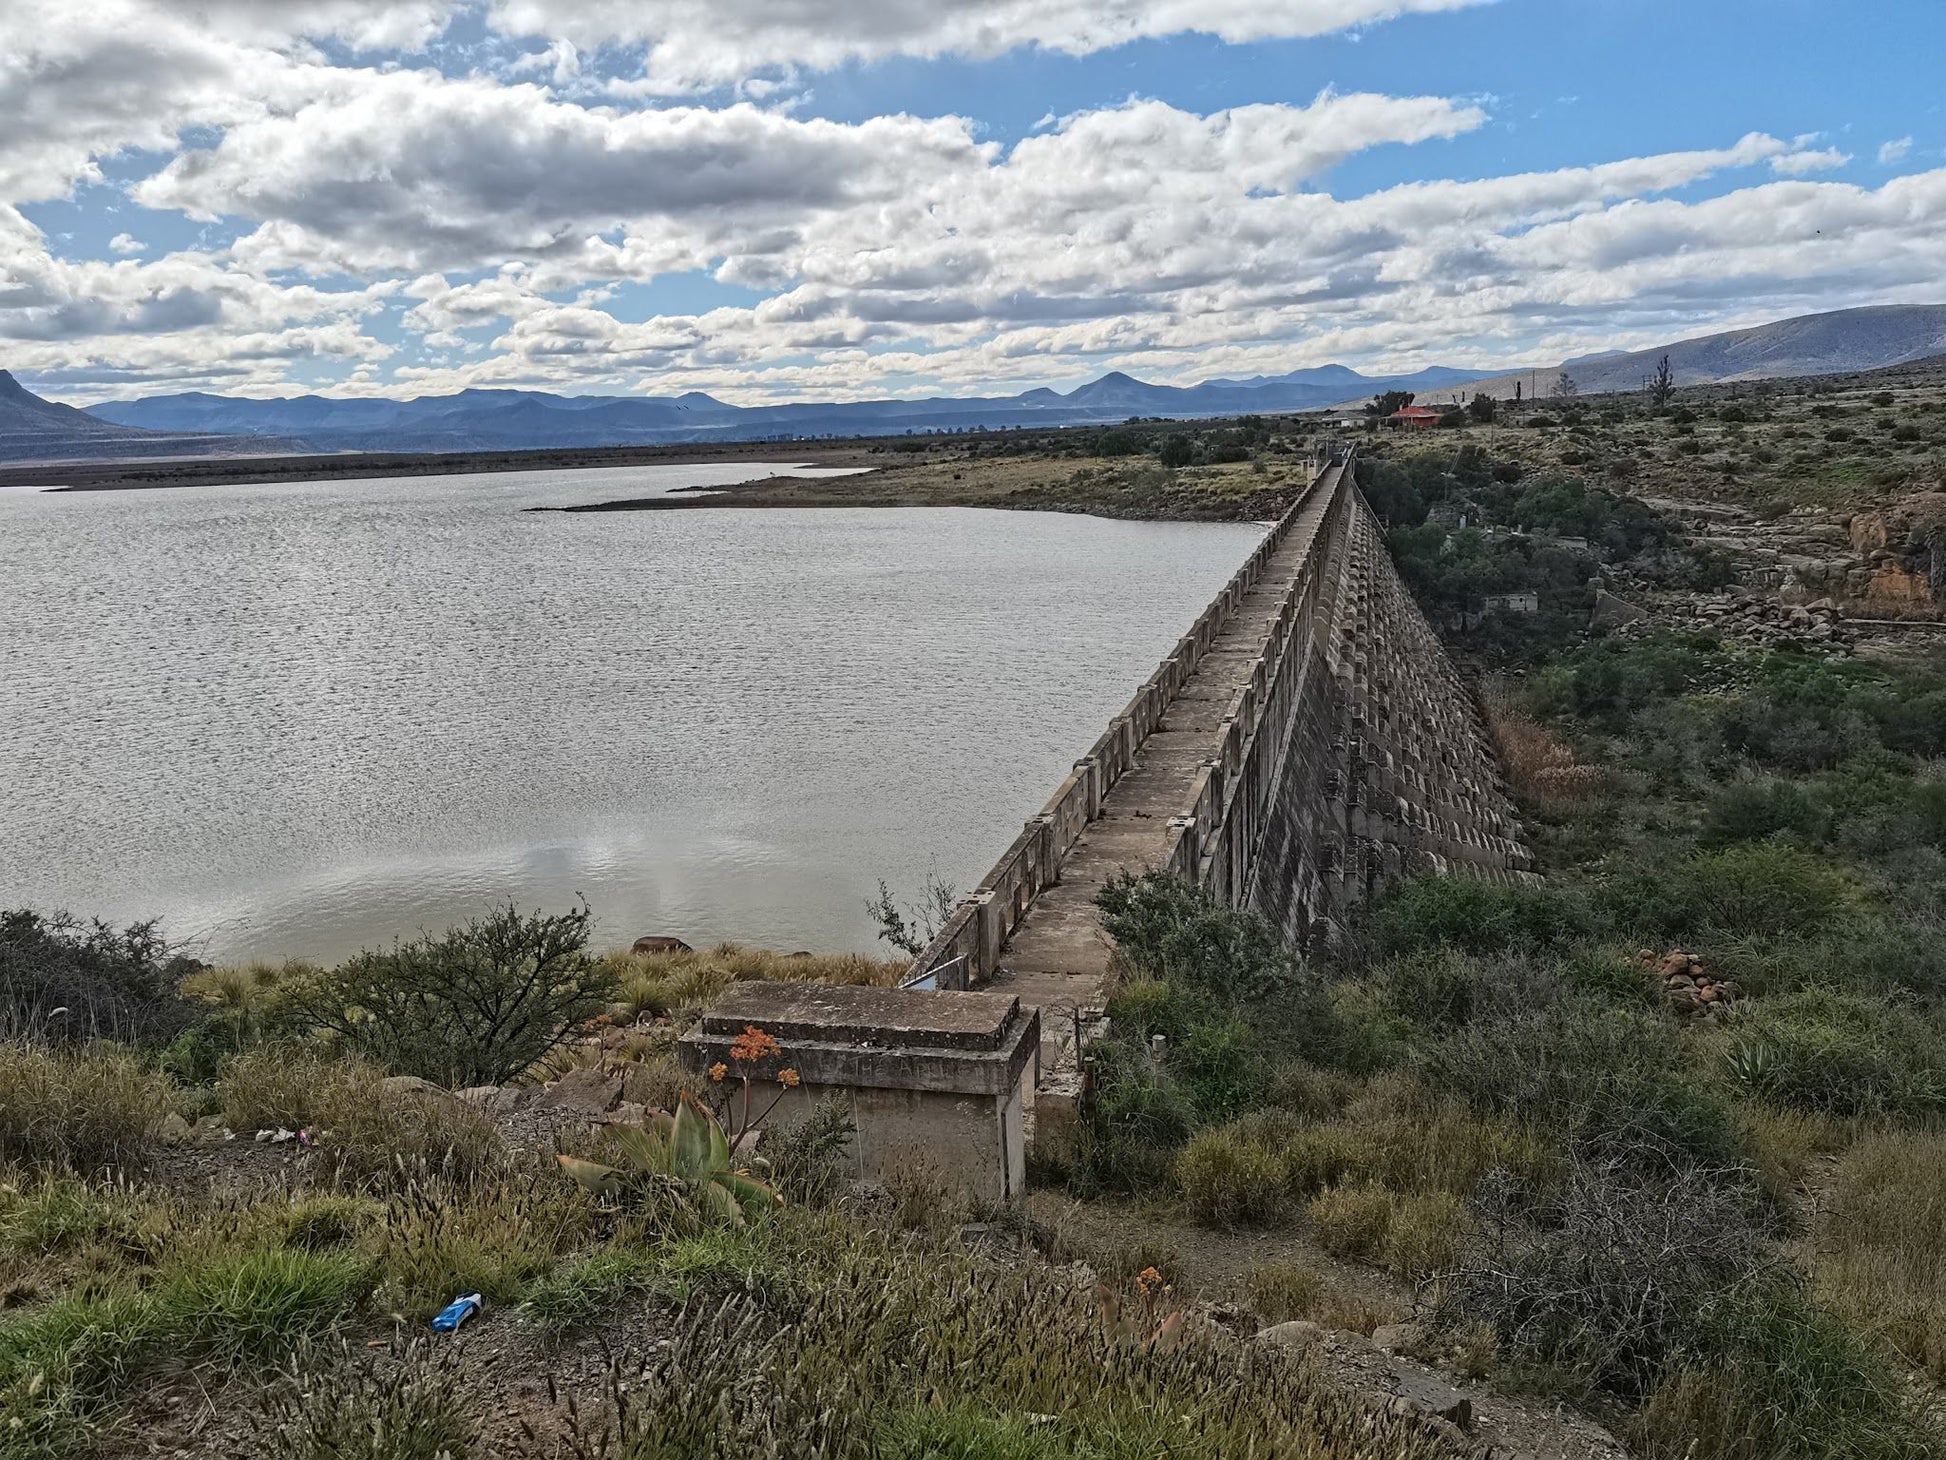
(686, 1153)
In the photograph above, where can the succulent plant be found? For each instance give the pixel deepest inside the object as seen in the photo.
(686, 1153)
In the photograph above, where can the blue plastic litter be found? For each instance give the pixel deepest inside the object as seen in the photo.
(457, 1312)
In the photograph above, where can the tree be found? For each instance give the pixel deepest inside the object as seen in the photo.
(472, 1006)
(1565, 386)
(912, 928)
(1177, 451)
(1663, 386)
(1482, 408)
(63, 980)
(1390, 403)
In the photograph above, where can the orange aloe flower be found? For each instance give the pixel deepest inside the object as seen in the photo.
(718, 1070)
(752, 1045)
(789, 1079)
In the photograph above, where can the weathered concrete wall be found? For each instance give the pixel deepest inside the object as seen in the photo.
(1348, 753)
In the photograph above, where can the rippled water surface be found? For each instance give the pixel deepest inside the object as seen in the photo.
(297, 720)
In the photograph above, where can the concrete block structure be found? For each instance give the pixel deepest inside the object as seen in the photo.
(943, 1077)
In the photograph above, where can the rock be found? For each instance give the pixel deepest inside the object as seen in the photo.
(1673, 962)
(1399, 1338)
(510, 1100)
(1611, 612)
(480, 1095)
(660, 944)
(174, 1129)
(411, 1085)
(629, 1112)
(1424, 1392)
(212, 1128)
(590, 1090)
(1297, 1335)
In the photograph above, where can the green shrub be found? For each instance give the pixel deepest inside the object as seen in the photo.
(473, 1006)
(85, 1109)
(259, 1305)
(1745, 889)
(807, 1155)
(1179, 933)
(575, 1294)
(1773, 1377)
(1432, 913)
(1610, 1080)
(1351, 1220)
(1751, 811)
(1842, 1054)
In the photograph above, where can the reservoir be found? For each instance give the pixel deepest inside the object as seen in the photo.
(298, 720)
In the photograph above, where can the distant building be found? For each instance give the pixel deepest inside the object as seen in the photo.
(1513, 603)
(1414, 418)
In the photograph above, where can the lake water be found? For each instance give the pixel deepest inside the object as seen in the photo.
(304, 719)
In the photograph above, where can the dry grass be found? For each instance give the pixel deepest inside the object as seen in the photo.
(82, 1109)
(683, 983)
(1539, 765)
(1414, 1235)
(1881, 1244)
(371, 1136)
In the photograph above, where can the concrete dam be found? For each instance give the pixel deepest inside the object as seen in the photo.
(1306, 741)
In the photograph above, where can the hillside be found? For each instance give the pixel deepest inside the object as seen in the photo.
(1838, 343)
(33, 429)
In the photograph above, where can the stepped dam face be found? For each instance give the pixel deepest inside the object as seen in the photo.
(1306, 741)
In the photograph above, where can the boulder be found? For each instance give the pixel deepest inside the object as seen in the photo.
(1611, 612)
(1297, 1335)
(660, 943)
(480, 1095)
(590, 1090)
(412, 1085)
(1419, 1391)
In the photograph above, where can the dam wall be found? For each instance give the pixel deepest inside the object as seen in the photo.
(1304, 742)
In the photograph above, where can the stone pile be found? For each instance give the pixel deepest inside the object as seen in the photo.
(1688, 985)
(1765, 621)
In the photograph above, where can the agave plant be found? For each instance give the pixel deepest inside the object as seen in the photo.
(686, 1153)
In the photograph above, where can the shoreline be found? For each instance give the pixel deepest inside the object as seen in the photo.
(276, 470)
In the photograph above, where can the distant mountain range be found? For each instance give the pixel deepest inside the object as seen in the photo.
(32, 429)
(1837, 343)
(514, 420)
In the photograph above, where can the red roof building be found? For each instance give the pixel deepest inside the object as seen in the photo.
(1415, 417)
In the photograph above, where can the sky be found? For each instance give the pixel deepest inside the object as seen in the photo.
(837, 199)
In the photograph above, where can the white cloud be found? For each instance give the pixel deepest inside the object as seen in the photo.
(694, 44)
(492, 215)
(1891, 152)
(1805, 161)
